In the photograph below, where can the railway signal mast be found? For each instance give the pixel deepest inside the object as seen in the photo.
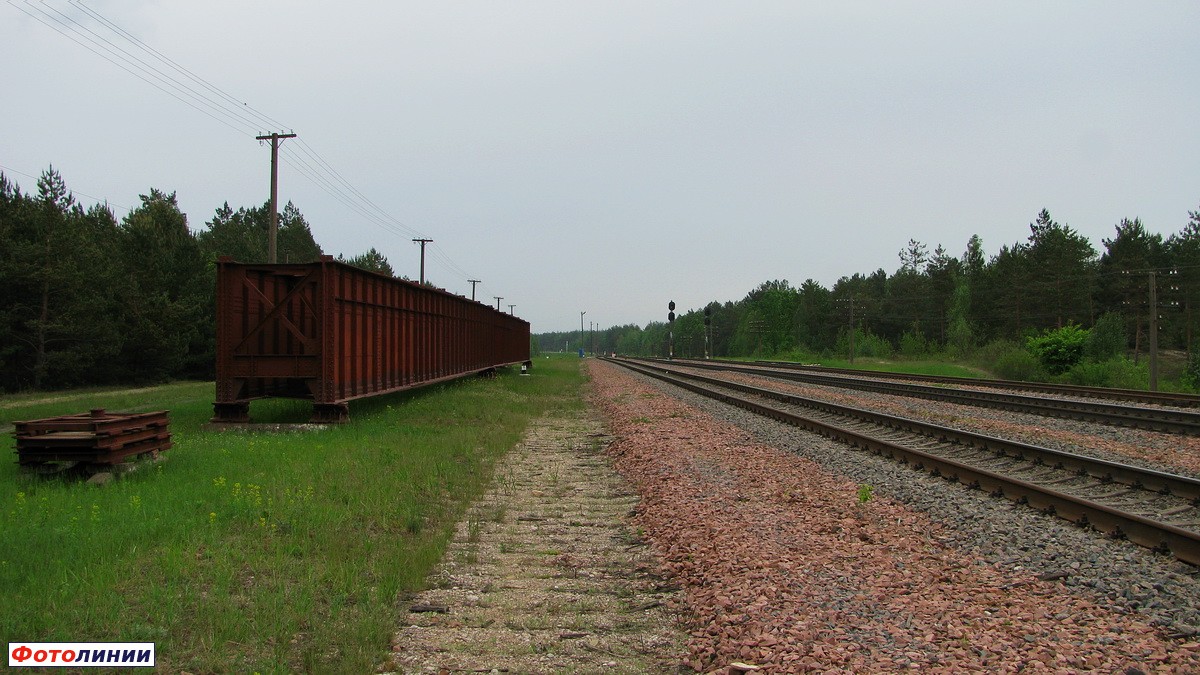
(707, 329)
(670, 330)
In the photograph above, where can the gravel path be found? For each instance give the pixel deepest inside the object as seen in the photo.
(789, 562)
(544, 575)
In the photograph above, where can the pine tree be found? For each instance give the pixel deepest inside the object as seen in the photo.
(168, 314)
(372, 261)
(1063, 264)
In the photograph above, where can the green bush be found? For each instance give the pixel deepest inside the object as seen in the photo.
(960, 339)
(1106, 340)
(1087, 374)
(1125, 374)
(1059, 349)
(1190, 377)
(1120, 373)
(1018, 364)
(876, 346)
(799, 354)
(913, 343)
(865, 344)
(988, 354)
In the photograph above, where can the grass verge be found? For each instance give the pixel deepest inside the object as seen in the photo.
(914, 367)
(256, 552)
(932, 366)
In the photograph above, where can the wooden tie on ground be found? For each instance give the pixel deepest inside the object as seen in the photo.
(544, 574)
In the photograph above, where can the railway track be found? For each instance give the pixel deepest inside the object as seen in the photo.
(1105, 393)
(1170, 420)
(1158, 510)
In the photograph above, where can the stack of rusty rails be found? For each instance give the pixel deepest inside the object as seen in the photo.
(96, 437)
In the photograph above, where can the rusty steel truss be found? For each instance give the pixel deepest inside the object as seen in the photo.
(332, 333)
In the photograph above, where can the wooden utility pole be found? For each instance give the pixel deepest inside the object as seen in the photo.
(1153, 332)
(757, 328)
(1152, 327)
(510, 309)
(423, 242)
(498, 299)
(853, 329)
(273, 229)
(473, 282)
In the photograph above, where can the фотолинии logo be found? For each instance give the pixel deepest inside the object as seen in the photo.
(80, 654)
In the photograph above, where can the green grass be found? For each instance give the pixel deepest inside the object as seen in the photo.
(259, 552)
(931, 366)
(18, 407)
(924, 367)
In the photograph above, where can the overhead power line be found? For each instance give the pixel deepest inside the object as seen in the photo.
(103, 37)
(263, 118)
(440, 256)
(324, 176)
(70, 27)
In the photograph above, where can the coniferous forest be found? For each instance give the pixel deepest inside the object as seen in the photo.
(1051, 306)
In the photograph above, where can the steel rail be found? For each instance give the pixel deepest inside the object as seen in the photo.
(1184, 544)
(1176, 399)
(1168, 420)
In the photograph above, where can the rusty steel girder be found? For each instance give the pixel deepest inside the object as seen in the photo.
(331, 333)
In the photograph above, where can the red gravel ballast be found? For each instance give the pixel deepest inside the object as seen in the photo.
(792, 568)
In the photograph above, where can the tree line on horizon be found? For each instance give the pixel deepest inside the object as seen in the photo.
(86, 299)
(936, 302)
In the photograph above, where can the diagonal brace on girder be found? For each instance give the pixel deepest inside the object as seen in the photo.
(309, 342)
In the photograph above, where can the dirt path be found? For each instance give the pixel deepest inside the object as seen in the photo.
(545, 575)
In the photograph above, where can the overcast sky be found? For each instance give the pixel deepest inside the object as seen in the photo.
(610, 156)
